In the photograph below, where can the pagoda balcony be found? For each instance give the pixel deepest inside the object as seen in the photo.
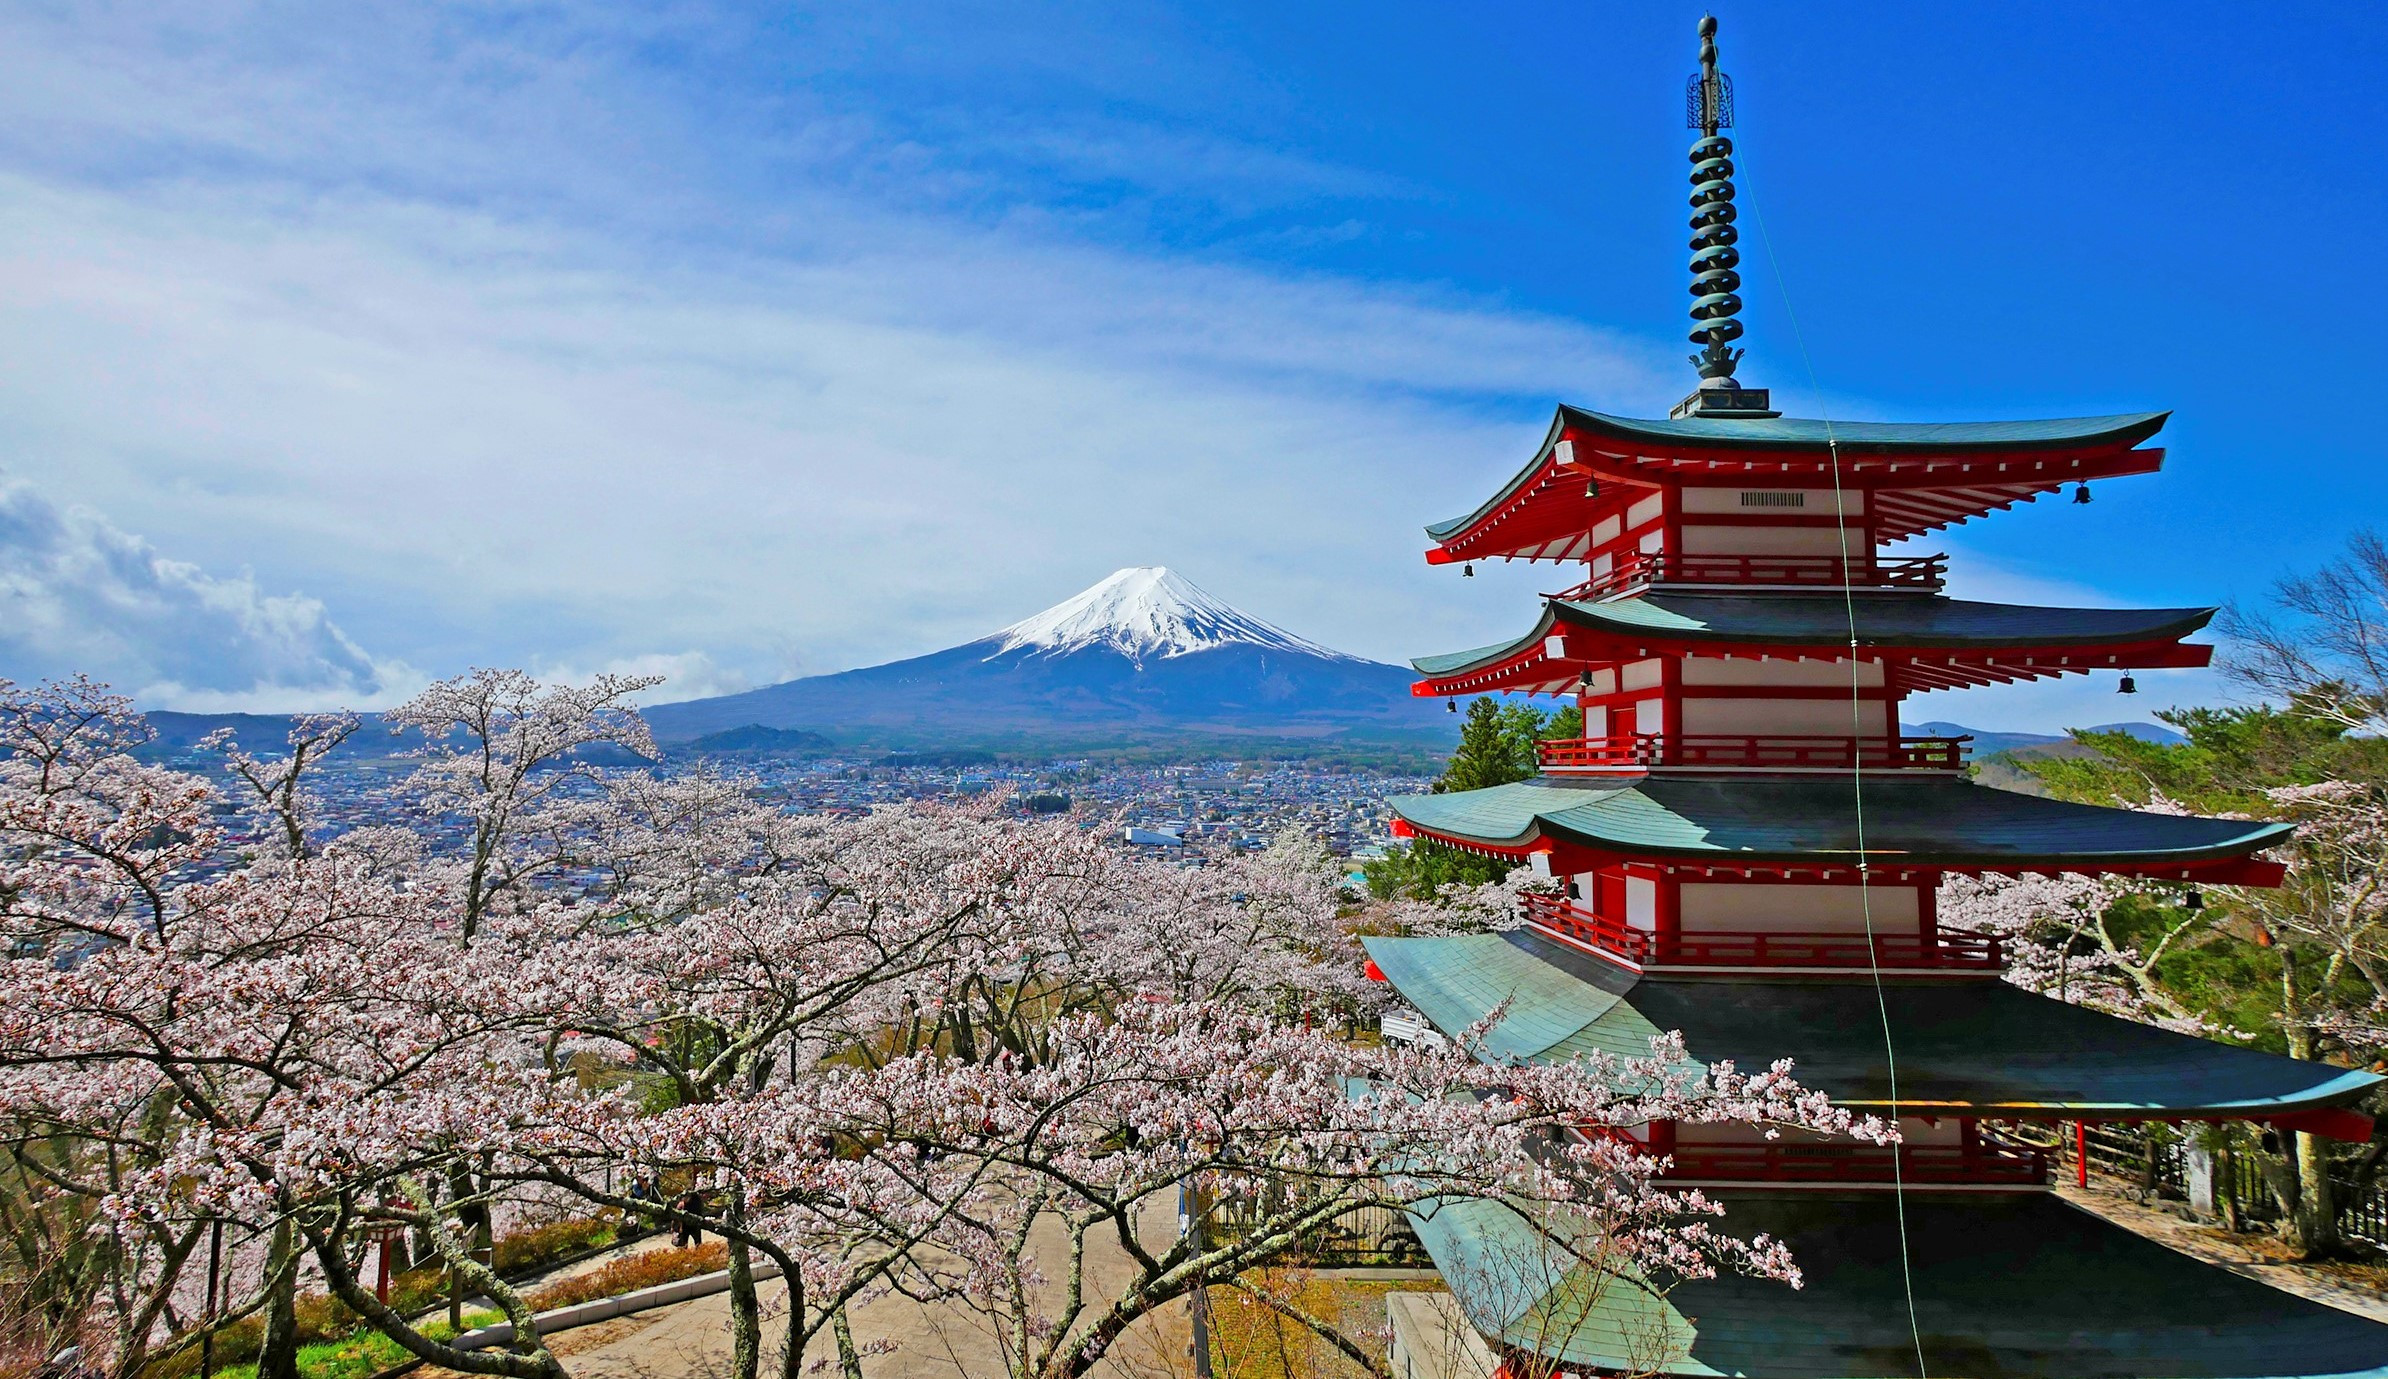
(1985, 1165)
(1923, 574)
(1942, 950)
(1771, 752)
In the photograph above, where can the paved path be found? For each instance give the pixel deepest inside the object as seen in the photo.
(2218, 1247)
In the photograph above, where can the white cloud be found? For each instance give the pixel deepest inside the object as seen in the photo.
(79, 595)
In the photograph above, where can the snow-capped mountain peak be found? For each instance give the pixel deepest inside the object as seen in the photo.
(1147, 612)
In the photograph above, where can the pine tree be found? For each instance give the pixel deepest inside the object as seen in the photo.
(1496, 747)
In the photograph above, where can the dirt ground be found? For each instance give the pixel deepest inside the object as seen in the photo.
(2349, 1286)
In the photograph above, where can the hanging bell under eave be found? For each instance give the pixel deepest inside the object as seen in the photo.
(2081, 493)
(2128, 686)
(1451, 705)
(1592, 488)
(2195, 900)
(1467, 572)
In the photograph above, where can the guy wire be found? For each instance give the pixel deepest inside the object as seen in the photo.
(1857, 767)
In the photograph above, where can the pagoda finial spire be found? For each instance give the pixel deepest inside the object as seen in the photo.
(1708, 107)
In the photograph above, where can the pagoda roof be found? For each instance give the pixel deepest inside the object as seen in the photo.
(1911, 820)
(1872, 437)
(1925, 475)
(1901, 620)
(2003, 1284)
(1965, 1047)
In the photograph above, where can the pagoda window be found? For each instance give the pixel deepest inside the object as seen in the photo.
(1650, 716)
(1640, 675)
(1806, 502)
(1776, 907)
(1596, 721)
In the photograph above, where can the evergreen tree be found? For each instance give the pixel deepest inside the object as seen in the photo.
(1496, 747)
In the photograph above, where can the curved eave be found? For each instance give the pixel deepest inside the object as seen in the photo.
(1966, 1048)
(1912, 821)
(1938, 643)
(1925, 475)
(1917, 621)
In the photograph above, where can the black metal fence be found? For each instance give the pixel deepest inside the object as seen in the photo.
(2248, 1171)
(1362, 1238)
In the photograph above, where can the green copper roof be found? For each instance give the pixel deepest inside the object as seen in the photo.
(1922, 820)
(1883, 620)
(1850, 437)
(2005, 1284)
(1964, 1046)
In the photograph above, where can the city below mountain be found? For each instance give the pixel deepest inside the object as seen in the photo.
(1142, 655)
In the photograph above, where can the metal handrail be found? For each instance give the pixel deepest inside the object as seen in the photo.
(1756, 751)
(1944, 949)
(1833, 1163)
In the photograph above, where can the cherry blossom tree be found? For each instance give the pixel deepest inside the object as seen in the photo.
(932, 1051)
(1297, 1129)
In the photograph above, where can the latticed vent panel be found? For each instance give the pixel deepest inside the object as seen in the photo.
(1764, 499)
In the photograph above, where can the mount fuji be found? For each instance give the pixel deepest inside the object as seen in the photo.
(1144, 653)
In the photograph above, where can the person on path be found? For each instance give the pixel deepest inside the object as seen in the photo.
(688, 1232)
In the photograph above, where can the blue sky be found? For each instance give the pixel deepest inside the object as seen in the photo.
(345, 346)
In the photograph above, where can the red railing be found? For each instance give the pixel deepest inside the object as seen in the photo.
(1608, 935)
(1755, 752)
(1923, 573)
(1837, 1163)
(1959, 950)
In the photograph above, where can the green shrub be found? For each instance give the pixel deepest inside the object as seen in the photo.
(545, 1244)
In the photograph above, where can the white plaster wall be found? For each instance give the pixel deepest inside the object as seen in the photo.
(1791, 674)
(1789, 717)
(1713, 540)
(1641, 902)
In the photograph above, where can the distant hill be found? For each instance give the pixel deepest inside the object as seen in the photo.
(756, 740)
(1142, 656)
(1985, 742)
(1997, 757)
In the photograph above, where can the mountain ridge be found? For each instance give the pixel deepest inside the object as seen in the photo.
(1143, 652)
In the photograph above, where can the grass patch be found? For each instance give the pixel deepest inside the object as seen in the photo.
(1252, 1341)
(360, 1356)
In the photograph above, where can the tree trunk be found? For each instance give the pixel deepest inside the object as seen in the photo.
(746, 1312)
(2317, 1213)
(2313, 1219)
(277, 1355)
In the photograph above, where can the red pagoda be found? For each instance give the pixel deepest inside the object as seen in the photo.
(1749, 849)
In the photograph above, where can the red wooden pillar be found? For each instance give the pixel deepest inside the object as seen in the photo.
(1667, 923)
(2081, 1153)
